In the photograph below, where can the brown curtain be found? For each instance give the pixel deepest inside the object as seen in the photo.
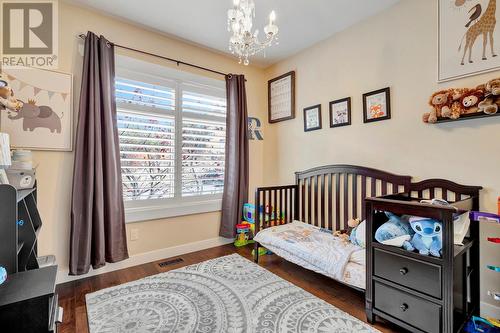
(97, 214)
(236, 171)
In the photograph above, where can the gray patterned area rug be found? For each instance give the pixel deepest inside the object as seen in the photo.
(226, 294)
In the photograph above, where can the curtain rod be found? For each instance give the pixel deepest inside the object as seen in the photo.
(178, 62)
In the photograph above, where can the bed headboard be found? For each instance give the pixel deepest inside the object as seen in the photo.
(331, 195)
(443, 189)
(328, 196)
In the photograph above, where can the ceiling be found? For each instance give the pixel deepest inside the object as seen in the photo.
(302, 23)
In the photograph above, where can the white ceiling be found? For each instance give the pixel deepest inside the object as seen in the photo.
(302, 23)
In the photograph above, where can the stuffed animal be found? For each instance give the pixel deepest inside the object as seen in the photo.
(491, 103)
(7, 99)
(345, 235)
(342, 234)
(440, 102)
(466, 103)
(428, 236)
(396, 231)
(358, 233)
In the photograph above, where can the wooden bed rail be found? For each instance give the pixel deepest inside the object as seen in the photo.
(279, 204)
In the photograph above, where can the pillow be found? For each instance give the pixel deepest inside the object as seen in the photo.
(358, 257)
(358, 235)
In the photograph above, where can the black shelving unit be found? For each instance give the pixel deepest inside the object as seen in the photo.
(20, 224)
(421, 293)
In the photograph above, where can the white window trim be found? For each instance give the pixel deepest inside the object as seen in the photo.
(168, 208)
(154, 209)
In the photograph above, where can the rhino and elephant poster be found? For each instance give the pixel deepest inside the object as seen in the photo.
(38, 113)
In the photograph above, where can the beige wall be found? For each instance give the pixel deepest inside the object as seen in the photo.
(396, 48)
(55, 168)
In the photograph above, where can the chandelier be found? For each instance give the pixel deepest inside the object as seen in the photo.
(243, 42)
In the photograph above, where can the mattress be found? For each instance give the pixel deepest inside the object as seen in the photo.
(316, 249)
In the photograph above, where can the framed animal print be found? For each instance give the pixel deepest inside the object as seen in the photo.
(281, 97)
(38, 113)
(468, 38)
(340, 112)
(377, 105)
(312, 118)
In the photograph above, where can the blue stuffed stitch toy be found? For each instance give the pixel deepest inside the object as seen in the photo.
(428, 236)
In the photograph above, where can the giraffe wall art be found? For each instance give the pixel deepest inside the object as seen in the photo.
(468, 36)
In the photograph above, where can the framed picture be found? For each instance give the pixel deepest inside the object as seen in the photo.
(44, 122)
(377, 105)
(467, 42)
(312, 118)
(340, 112)
(281, 97)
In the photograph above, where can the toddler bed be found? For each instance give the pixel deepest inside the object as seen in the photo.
(322, 201)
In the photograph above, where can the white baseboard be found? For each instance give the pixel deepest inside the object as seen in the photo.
(489, 310)
(143, 258)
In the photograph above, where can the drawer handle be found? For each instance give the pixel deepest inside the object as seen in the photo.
(404, 307)
(403, 271)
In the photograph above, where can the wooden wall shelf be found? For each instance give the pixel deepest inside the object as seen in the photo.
(467, 117)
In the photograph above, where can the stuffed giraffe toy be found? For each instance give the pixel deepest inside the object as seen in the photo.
(485, 26)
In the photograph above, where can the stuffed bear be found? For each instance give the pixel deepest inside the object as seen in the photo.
(468, 102)
(440, 103)
(427, 238)
(491, 103)
(7, 99)
(396, 231)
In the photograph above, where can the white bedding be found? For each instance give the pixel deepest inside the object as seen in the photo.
(316, 249)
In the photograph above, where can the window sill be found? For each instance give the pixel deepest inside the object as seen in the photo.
(155, 212)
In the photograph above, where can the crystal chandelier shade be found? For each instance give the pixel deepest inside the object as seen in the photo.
(243, 42)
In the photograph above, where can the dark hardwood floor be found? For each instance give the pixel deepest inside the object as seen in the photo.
(72, 294)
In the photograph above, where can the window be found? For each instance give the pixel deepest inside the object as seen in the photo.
(171, 127)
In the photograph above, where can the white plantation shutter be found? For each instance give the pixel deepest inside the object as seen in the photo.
(172, 140)
(203, 142)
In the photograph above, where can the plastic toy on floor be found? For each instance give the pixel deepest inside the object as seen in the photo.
(478, 324)
(267, 214)
(242, 235)
(262, 251)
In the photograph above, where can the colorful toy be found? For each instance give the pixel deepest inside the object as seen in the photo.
(494, 268)
(428, 236)
(494, 321)
(267, 214)
(242, 235)
(478, 324)
(262, 251)
(249, 212)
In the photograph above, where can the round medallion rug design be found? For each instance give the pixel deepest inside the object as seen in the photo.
(226, 294)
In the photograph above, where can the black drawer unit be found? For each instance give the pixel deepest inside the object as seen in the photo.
(412, 273)
(422, 293)
(413, 310)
